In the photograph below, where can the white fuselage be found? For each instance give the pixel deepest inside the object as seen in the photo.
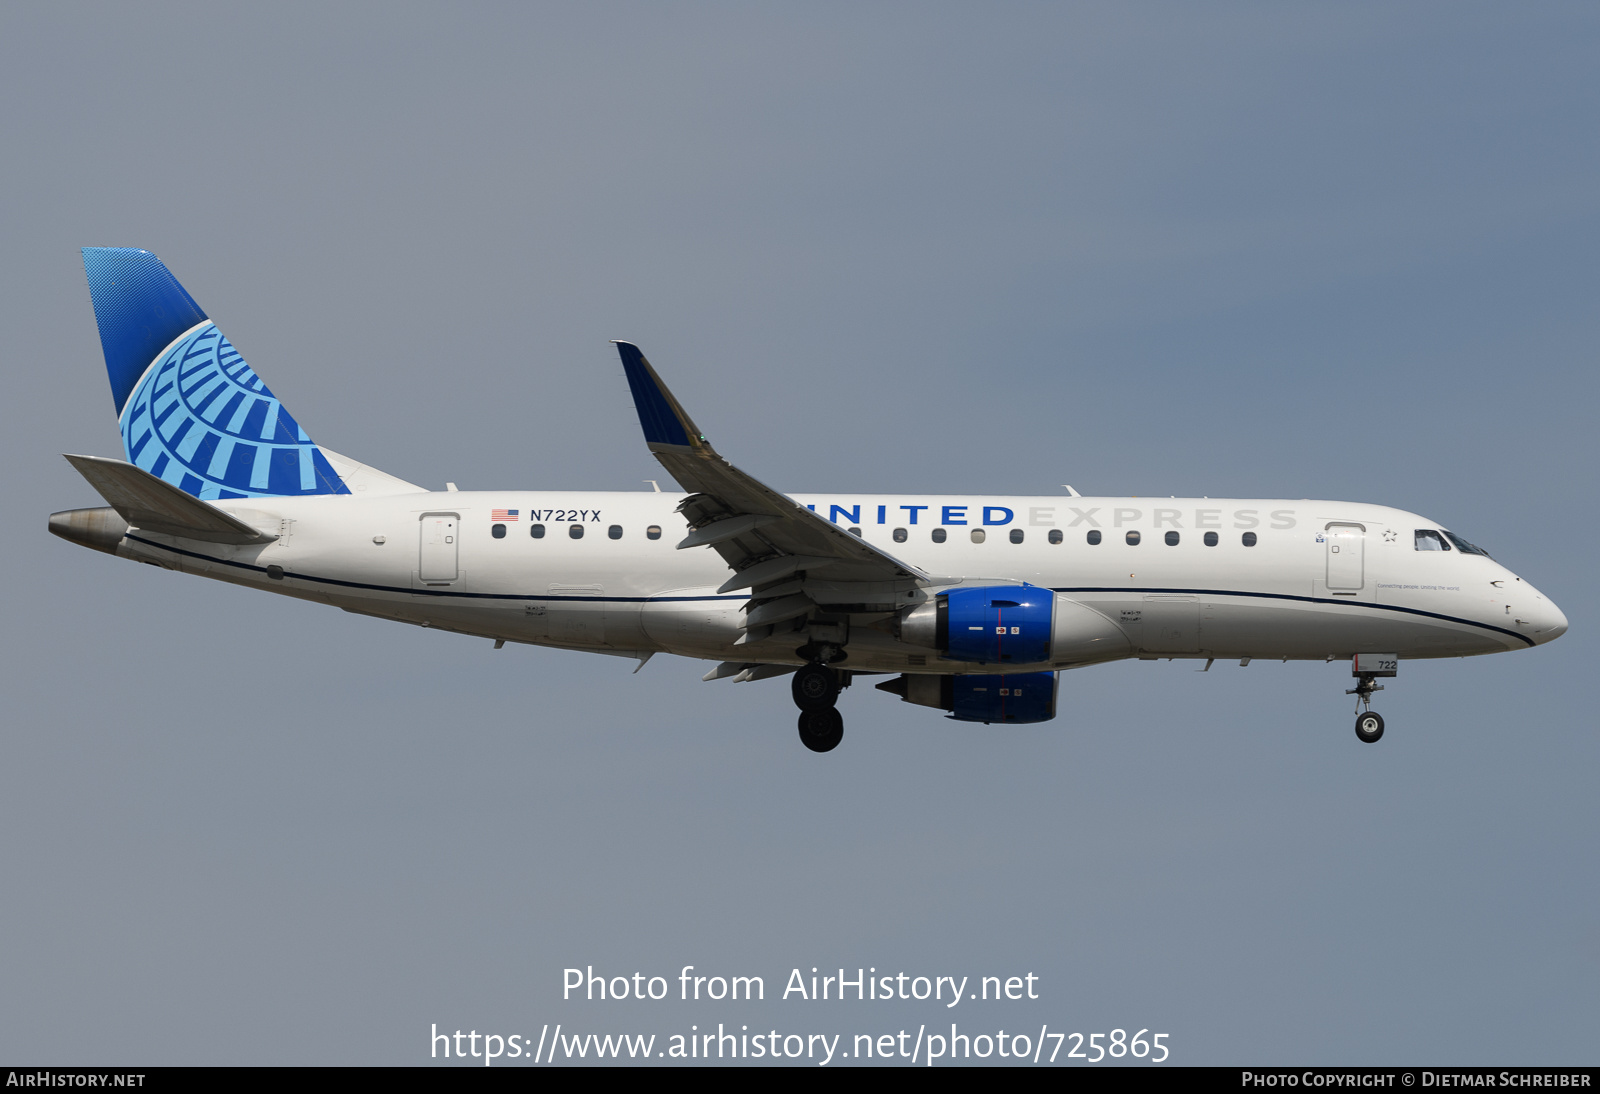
(1322, 579)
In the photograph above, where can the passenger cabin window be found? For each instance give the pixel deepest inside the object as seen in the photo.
(615, 531)
(1248, 539)
(979, 535)
(653, 532)
(1093, 536)
(1016, 535)
(1172, 539)
(855, 531)
(536, 531)
(1211, 539)
(1132, 538)
(899, 535)
(1466, 548)
(498, 531)
(576, 531)
(938, 535)
(1429, 540)
(1056, 536)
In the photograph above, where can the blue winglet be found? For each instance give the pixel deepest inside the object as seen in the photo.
(662, 419)
(192, 413)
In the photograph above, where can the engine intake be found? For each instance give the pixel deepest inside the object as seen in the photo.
(1012, 625)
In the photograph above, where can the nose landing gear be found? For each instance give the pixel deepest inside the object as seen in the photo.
(1366, 668)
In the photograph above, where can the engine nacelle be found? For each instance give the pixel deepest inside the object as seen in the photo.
(1016, 699)
(1012, 624)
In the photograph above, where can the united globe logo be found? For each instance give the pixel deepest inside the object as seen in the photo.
(202, 420)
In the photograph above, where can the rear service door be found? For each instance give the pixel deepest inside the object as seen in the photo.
(436, 559)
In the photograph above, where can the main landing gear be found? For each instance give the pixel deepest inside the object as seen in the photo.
(1366, 668)
(816, 689)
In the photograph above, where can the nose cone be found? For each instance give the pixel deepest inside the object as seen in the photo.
(1549, 622)
(1536, 614)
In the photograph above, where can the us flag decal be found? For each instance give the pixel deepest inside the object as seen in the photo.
(503, 515)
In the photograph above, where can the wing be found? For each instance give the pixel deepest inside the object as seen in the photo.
(793, 561)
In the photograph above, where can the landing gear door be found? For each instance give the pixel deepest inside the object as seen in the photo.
(439, 548)
(1345, 549)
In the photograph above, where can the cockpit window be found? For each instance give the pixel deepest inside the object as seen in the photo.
(1429, 540)
(1466, 548)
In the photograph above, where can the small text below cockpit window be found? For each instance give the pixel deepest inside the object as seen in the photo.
(1429, 540)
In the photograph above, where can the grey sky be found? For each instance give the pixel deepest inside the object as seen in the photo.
(1344, 251)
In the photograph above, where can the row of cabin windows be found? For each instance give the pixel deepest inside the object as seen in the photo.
(574, 531)
(1056, 536)
(1426, 539)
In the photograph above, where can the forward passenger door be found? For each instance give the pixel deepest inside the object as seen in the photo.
(1345, 551)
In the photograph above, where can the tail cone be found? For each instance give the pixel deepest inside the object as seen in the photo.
(98, 529)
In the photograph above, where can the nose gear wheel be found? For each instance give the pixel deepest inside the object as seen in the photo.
(1369, 723)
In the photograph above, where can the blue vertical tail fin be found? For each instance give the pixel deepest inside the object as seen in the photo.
(191, 411)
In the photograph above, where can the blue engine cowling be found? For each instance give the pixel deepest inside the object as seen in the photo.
(995, 624)
(1016, 698)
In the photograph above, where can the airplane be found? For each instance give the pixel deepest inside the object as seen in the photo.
(972, 605)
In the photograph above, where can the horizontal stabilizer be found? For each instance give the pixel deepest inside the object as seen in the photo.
(147, 502)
